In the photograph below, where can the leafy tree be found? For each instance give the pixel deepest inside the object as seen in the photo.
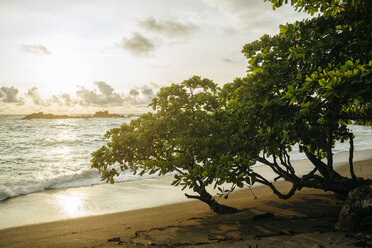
(177, 138)
(304, 86)
(327, 7)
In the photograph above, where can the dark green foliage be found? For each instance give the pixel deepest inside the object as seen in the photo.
(176, 138)
(303, 87)
(328, 7)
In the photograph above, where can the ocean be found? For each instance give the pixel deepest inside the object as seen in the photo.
(45, 172)
(42, 154)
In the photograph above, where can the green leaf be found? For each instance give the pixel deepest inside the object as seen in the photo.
(349, 64)
(240, 184)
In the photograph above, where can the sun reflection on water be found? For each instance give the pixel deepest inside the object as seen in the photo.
(72, 205)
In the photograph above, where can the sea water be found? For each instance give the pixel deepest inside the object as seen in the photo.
(41, 154)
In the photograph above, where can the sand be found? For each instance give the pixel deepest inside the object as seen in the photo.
(305, 220)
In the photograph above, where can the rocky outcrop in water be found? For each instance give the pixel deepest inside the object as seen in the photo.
(99, 114)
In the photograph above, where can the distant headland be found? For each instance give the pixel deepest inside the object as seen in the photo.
(99, 114)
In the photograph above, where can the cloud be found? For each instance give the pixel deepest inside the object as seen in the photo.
(67, 100)
(36, 99)
(246, 14)
(9, 95)
(138, 45)
(133, 92)
(63, 99)
(56, 99)
(35, 49)
(168, 28)
(105, 96)
(142, 95)
(227, 60)
(255, 15)
(101, 96)
(229, 31)
(147, 91)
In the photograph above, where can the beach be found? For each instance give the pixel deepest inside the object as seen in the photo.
(156, 124)
(306, 220)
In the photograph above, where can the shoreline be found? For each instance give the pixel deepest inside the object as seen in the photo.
(77, 202)
(306, 220)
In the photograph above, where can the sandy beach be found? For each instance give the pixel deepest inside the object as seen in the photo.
(305, 220)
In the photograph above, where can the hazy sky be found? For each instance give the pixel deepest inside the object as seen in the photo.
(79, 56)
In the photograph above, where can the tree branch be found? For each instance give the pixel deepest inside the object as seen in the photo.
(286, 162)
(273, 166)
(321, 167)
(179, 171)
(351, 154)
(192, 196)
(264, 181)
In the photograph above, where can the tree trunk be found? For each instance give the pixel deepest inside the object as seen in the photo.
(357, 207)
(213, 204)
(205, 197)
(222, 209)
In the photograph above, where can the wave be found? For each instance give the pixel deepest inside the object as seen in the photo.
(85, 178)
(88, 178)
(92, 177)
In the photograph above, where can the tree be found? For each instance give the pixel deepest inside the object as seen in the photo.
(327, 7)
(175, 139)
(304, 86)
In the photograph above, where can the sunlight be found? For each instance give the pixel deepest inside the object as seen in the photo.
(64, 135)
(62, 70)
(61, 139)
(72, 205)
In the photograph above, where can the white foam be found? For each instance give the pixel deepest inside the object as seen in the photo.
(85, 178)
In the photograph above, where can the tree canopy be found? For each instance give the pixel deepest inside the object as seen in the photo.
(175, 139)
(327, 7)
(304, 86)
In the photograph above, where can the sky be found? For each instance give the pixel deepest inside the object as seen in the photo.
(82, 56)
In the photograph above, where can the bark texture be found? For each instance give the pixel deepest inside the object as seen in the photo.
(207, 198)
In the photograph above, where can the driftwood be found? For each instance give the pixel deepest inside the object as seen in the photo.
(357, 207)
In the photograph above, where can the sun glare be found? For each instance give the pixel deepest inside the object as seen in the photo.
(66, 71)
(72, 205)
